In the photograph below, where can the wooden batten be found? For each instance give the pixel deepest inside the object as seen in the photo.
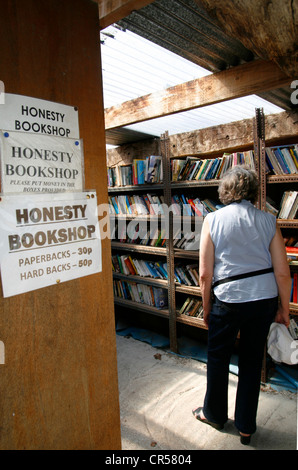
(111, 11)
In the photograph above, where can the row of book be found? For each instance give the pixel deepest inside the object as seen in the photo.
(141, 293)
(127, 265)
(192, 307)
(292, 255)
(152, 204)
(155, 238)
(183, 204)
(288, 205)
(290, 240)
(140, 171)
(187, 240)
(196, 169)
(136, 204)
(282, 160)
(184, 274)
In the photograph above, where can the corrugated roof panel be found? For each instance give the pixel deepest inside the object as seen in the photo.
(133, 66)
(141, 65)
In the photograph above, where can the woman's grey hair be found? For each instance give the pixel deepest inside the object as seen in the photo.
(240, 182)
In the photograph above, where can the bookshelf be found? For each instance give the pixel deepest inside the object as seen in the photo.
(278, 175)
(272, 186)
(181, 264)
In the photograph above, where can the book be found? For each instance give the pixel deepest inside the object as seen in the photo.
(271, 206)
(197, 169)
(176, 167)
(288, 205)
(293, 329)
(295, 285)
(135, 204)
(192, 307)
(154, 169)
(282, 160)
(160, 297)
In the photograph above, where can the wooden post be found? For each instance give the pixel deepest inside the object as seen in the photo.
(58, 386)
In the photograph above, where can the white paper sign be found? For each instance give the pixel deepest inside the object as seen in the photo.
(26, 114)
(47, 239)
(40, 163)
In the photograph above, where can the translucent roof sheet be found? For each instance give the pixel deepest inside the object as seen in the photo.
(133, 66)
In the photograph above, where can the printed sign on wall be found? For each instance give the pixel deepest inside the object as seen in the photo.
(47, 239)
(40, 163)
(26, 114)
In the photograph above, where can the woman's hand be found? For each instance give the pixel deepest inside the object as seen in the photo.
(282, 316)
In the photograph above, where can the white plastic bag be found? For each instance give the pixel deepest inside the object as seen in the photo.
(281, 346)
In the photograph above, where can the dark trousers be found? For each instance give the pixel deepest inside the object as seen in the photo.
(253, 320)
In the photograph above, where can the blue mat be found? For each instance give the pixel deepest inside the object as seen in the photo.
(283, 378)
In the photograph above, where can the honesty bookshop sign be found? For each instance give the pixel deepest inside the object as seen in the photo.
(40, 163)
(47, 239)
(40, 150)
(26, 114)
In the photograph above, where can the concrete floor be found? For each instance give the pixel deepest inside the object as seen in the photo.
(158, 391)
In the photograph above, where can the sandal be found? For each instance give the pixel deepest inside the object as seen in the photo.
(245, 440)
(197, 415)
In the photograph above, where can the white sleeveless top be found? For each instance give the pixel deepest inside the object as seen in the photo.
(241, 235)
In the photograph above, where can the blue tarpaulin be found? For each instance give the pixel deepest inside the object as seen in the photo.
(283, 378)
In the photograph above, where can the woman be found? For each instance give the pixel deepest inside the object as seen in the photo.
(239, 239)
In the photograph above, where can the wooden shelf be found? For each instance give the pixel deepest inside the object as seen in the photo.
(139, 248)
(142, 307)
(186, 254)
(193, 184)
(192, 321)
(190, 290)
(293, 308)
(142, 280)
(273, 179)
(138, 187)
(187, 218)
(287, 223)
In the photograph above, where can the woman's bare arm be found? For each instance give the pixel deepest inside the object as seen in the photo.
(206, 269)
(282, 276)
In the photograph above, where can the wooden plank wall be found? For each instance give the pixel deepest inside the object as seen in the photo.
(58, 386)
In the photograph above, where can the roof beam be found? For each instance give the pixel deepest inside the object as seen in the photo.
(268, 28)
(250, 78)
(111, 11)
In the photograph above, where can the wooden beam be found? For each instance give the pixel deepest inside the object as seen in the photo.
(268, 28)
(279, 128)
(58, 386)
(111, 11)
(243, 80)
